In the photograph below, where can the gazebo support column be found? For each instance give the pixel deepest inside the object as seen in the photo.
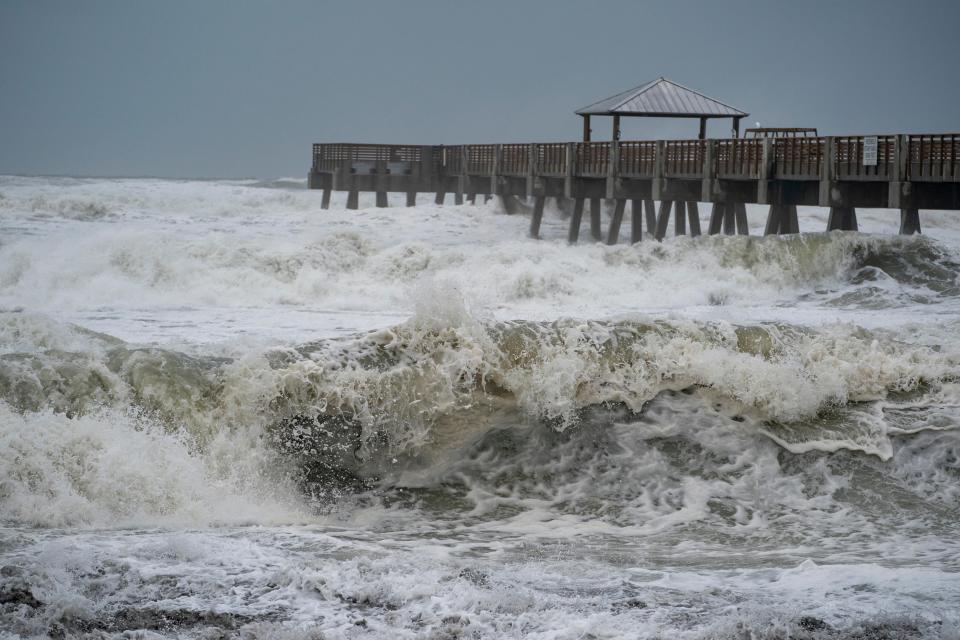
(586, 128)
(703, 129)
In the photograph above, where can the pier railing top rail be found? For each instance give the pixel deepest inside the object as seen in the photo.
(923, 157)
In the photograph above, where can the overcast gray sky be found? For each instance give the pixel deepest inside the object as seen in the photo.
(205, 88)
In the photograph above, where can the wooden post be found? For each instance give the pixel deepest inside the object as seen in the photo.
(325, 200)
(709, 171)
(537, 216)
(574, 234)
(411, 198)
(531, 167)
(898, 172)
(766, 172)
(353, 199)
(613, 169)
(659, 161)
(680, 218)
(827, 172)
(716, 218)
(636, 220)
(703, 129)
(909, 221)
(495, 178)
(736, 127)
(595, 224)
(570, 155)
(663, 217)
(462, 177)
(693, 213)
(441, 194)
(616, 128)
(586, 128)
(614, 233)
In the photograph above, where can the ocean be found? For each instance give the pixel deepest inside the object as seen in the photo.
(227, 413)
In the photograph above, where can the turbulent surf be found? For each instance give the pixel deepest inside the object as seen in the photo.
(225, 412)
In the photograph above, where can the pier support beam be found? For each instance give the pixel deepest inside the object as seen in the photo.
(574, 234)
(693, 215)
(743, 228)
(537, 216)
(614, 233)
(411, 198)
(716, 218)
(650, 212)
(441, 196)
(511, 204)
(680, 218)
(636, 220)
(382, 199)
(909, 221)
(595, 227)
(325, 200)
(663, 218)
(842, 218)
(730, 219)
(353, 199)
(782, 219)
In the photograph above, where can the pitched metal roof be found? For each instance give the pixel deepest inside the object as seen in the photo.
(662, 97)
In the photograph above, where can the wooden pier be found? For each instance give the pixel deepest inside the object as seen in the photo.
(908, 172)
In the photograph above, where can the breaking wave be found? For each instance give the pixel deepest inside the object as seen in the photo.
(344, 413)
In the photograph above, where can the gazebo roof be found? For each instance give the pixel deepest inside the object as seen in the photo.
(661, 98)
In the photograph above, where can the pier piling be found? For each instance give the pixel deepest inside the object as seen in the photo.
(614, 232)
(906, 172)
(909, 221)
(574, 234)
(596, 231)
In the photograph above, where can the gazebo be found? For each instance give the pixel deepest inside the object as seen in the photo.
(661, 98)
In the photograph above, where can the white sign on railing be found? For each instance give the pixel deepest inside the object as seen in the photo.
(870, 151)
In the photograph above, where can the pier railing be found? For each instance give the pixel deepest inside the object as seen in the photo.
(914, 157)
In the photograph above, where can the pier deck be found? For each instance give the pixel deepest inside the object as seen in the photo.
(908, 172)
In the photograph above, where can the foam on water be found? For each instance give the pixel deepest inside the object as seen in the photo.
(226, 411)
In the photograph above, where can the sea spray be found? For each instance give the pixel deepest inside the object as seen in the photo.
(228, 412)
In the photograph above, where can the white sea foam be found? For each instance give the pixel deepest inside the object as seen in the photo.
(225, 407)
